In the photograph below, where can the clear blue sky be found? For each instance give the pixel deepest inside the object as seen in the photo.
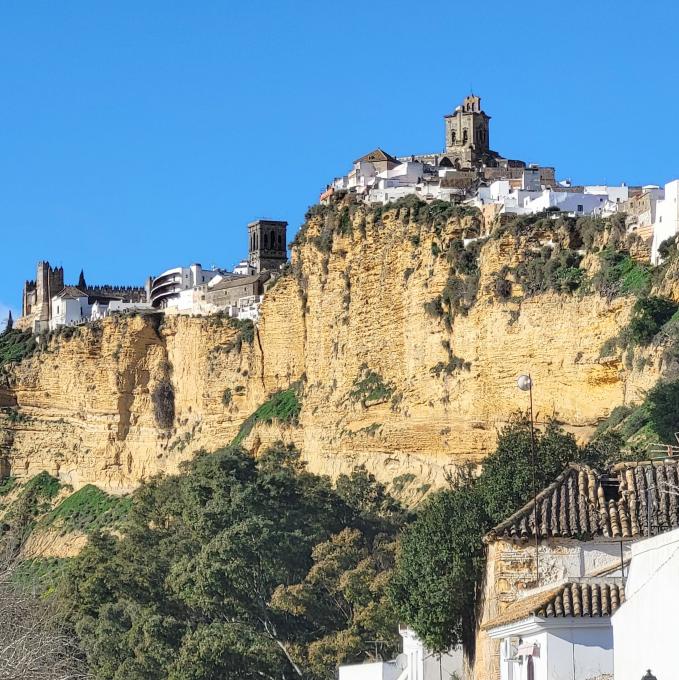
(135, 136)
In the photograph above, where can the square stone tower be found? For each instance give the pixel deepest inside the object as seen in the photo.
(468, 133)
(267, 244)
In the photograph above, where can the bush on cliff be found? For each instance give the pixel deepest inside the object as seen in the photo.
(16, 345)
(237, 568)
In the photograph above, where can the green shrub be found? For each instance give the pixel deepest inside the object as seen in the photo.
(663, 410)
(617, 415)
(668, 248)
(283, 406)
(246, 333)
(648, 316)
(88, 509)
(370, 388)
(550, 269)
(621, 274)
(16, 345)
(6, 485)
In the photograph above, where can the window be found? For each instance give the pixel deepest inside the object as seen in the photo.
(580, 208)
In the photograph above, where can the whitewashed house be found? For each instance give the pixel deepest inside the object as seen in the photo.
(561, 632)
(645, 627)
(414, 663)
(70, 307)
(586, 523)
(167, 288)
(666, 222)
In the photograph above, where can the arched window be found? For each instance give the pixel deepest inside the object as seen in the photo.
(452, 137)
(464, 137)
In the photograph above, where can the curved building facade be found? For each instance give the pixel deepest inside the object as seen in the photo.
(167, 287)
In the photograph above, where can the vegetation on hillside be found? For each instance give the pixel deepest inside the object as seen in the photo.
(16, 345)
(242, 569)
(282, 406)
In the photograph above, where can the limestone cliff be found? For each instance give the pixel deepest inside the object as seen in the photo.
(404, 331)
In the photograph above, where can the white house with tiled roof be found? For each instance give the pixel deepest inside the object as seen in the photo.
(562, 632)
(586, 523)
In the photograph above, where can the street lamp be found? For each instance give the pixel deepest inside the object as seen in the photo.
(525, 384)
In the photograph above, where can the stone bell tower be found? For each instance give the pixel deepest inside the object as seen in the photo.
(267, 244)
(468, 133)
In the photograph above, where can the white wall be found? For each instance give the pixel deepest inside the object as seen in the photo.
(645, 627)
(666, 222)
(580, 653)
(575, 648)
(69, 312)
(389, 670)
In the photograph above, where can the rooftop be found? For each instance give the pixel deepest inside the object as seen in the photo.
(574, 598)
(582, 501)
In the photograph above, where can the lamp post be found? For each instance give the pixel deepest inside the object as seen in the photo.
(525, 384)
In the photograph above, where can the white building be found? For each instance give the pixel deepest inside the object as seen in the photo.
(559, 632)
(70, 307)
(102, 309)
(645, 627)
(666, 222)
(166, 287)
(415, 663)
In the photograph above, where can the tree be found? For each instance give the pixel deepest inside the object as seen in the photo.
(343, 599)
(506, 482)
(190, 589)
(439, 564)
(35, 642)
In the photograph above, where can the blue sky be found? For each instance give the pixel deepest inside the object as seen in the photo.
(135, 136)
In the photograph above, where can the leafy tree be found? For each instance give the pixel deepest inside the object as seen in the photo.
(439, 564)
(506, 482)
(344, 596)
(663, 407)
(191, 590)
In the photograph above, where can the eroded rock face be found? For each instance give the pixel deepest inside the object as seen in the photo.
(385, 382)
(83, 408)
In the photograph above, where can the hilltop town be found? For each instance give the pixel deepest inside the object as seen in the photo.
(291, 422)
(466, 172)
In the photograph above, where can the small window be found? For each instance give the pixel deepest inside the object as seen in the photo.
(580, 209)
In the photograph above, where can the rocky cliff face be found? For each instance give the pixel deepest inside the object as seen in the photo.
(398, 328)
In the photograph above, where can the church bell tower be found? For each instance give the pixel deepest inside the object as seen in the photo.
(468, 133)
(268, 248)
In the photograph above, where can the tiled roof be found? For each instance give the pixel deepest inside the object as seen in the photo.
(583, 502)
(71, 293)
(578, 598)
(377, 155)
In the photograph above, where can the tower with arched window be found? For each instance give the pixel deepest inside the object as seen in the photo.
(267, 244)
(468, 133)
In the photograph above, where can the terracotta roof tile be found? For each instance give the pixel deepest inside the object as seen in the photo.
(584, 502)
(576, 598)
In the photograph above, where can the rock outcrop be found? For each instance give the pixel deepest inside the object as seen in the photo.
(387, 378)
